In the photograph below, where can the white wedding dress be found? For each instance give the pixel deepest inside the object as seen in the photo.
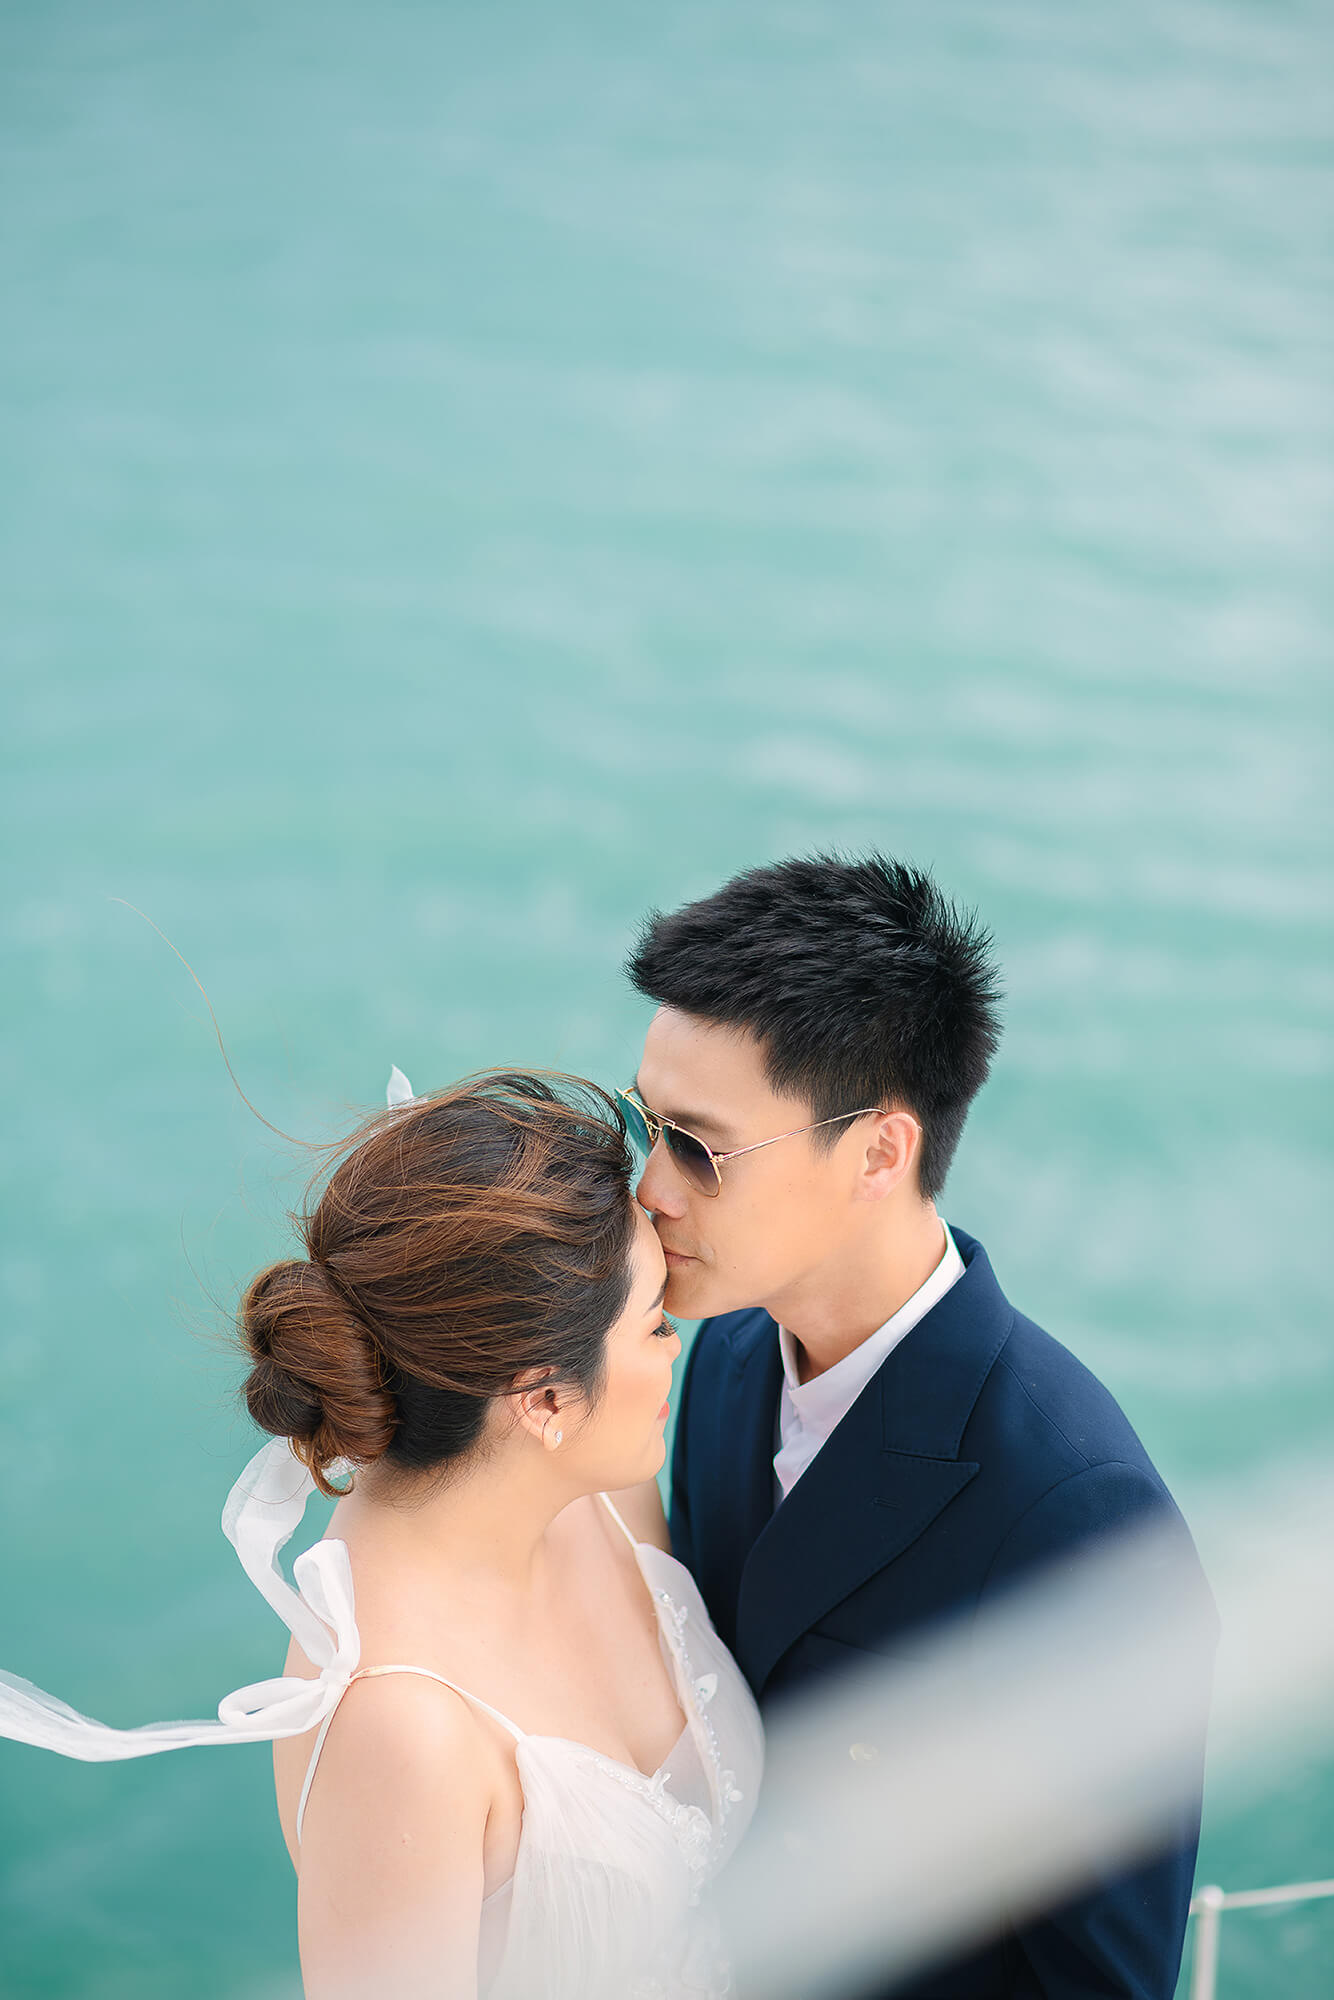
(607, 1897)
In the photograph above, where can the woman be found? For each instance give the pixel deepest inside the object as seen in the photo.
(510, 1749)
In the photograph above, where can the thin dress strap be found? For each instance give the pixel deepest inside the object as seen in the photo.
(611, 1509)
(370, 1673)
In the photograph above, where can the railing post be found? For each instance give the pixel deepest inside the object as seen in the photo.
(1204, 1964)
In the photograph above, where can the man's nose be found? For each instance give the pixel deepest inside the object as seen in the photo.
(660, 1190)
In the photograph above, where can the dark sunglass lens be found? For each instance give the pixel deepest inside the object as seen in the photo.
(635, 1125)
(692, 1158)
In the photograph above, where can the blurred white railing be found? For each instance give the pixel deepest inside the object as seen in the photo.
(1207, 1908)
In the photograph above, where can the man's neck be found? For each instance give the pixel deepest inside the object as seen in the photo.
(832, 1311)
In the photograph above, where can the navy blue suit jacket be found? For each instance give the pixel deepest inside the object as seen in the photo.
(979, 1451)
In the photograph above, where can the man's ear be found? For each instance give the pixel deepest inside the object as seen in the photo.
(891, 1154)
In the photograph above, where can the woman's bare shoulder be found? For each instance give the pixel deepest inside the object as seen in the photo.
(391, 1734)
(392, 1855)
(408, 1742)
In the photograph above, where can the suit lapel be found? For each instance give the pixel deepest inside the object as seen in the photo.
(744, 1498)
(855, 1508)
(878, 1481)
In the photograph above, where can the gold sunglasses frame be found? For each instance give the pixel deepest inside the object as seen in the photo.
(655, 1124)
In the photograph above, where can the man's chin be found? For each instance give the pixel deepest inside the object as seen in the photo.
(694, 1292)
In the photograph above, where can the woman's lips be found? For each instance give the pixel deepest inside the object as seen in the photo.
(665, 1411)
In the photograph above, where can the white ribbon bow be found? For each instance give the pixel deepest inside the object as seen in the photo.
(263, 1511)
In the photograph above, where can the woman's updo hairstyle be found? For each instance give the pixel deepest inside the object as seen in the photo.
(461, 1242)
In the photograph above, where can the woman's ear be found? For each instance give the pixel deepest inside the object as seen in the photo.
(541, 1408)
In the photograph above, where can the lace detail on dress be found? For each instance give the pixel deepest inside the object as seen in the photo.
(690, 1825)
(703, 1690)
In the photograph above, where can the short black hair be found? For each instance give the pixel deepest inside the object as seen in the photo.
(863, 983)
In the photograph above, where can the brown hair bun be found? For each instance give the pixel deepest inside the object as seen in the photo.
(461, 1243)
(316, 1377)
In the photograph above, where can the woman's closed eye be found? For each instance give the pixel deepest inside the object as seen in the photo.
(665, 1330)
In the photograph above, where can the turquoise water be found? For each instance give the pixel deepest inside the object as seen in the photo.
(473, 474)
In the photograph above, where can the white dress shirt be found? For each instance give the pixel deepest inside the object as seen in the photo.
(809, 1411)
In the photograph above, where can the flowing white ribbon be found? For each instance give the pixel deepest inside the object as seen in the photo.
(263, 1511)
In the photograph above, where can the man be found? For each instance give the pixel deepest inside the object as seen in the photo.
(869, 1437)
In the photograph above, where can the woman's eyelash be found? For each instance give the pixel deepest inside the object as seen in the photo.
(665, 1328)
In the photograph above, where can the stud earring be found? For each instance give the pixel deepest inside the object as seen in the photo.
(559, 1436)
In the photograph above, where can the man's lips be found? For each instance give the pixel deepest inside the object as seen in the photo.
(677, 1257)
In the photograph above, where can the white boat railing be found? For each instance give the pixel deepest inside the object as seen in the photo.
(1207, 1908)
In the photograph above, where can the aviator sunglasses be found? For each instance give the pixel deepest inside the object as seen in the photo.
(699, 1163)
